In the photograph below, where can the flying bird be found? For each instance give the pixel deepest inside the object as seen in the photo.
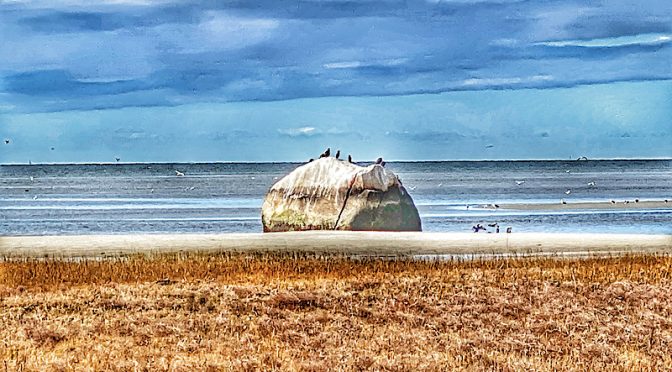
(6, 141)
(52, 148)
(178, 173)
(567, 171)
(568, 192)
(117, 159)
(338, 153)
(591, 183)
(489, 146)
(326, 153)
(520, 182)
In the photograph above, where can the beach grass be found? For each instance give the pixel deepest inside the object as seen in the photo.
(298, 311)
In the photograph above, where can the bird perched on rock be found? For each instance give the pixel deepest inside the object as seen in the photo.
(349, 158)
(338, 153)
(379, 160)
(591, 183)
(326, 153)
(311, 159)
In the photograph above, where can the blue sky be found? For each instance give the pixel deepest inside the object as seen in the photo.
(272, 80)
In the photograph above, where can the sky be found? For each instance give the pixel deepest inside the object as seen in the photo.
(273, 80)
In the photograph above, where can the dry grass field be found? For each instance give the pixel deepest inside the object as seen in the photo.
(299, 312)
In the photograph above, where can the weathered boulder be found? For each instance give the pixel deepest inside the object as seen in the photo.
(332, 194)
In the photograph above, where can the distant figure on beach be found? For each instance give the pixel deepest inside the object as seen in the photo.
(326, 153)
(520, 182)
(338, 153)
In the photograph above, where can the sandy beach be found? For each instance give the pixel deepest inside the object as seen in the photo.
(340, 242)
(618, 204)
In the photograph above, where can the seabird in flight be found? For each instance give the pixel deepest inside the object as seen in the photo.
(6, 141)
(568, 191)
(178, 173)
(520, 182)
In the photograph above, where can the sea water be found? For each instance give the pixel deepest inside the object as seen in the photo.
(227, 197)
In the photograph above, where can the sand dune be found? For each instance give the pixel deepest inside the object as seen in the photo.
(351, 243)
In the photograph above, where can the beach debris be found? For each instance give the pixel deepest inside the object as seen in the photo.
(178, 173)
(520, 182)
(164, 281)
(329, 194)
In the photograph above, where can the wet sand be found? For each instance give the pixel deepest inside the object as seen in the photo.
(341, 242)
(619, 204)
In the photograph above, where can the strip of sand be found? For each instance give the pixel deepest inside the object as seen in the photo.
(340, 242)
(616, 205)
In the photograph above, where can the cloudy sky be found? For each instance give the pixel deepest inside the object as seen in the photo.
(273, 80)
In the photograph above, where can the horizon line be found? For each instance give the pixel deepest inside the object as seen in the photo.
(373, 160)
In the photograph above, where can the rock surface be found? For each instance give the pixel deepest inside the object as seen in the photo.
(332, 194)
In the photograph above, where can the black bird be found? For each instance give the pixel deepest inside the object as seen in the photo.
(117, 159)
(52, 149)
(349, 158)
(338, 153)
(311, 159)
(326, 153)
(6, 142)
(379, 161)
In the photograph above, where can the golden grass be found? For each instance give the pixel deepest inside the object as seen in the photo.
(301, 312)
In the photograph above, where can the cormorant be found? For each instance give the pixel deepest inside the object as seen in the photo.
(311, 159)
(338, 153)
(349, 158)
(379, 160)
(326, 153)
(6, 142)
(117, 159)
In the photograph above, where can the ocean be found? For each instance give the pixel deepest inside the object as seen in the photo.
(76, 199)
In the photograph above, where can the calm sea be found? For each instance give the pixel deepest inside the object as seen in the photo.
(226, 197)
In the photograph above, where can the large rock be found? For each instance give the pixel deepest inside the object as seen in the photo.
(331, 194)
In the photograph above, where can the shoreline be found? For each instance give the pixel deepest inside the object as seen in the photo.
(618, 205)
(336, 242)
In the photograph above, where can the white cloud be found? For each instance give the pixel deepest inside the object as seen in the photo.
(610, 42)
(297, 132)
(356, 64)
(506, 81)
